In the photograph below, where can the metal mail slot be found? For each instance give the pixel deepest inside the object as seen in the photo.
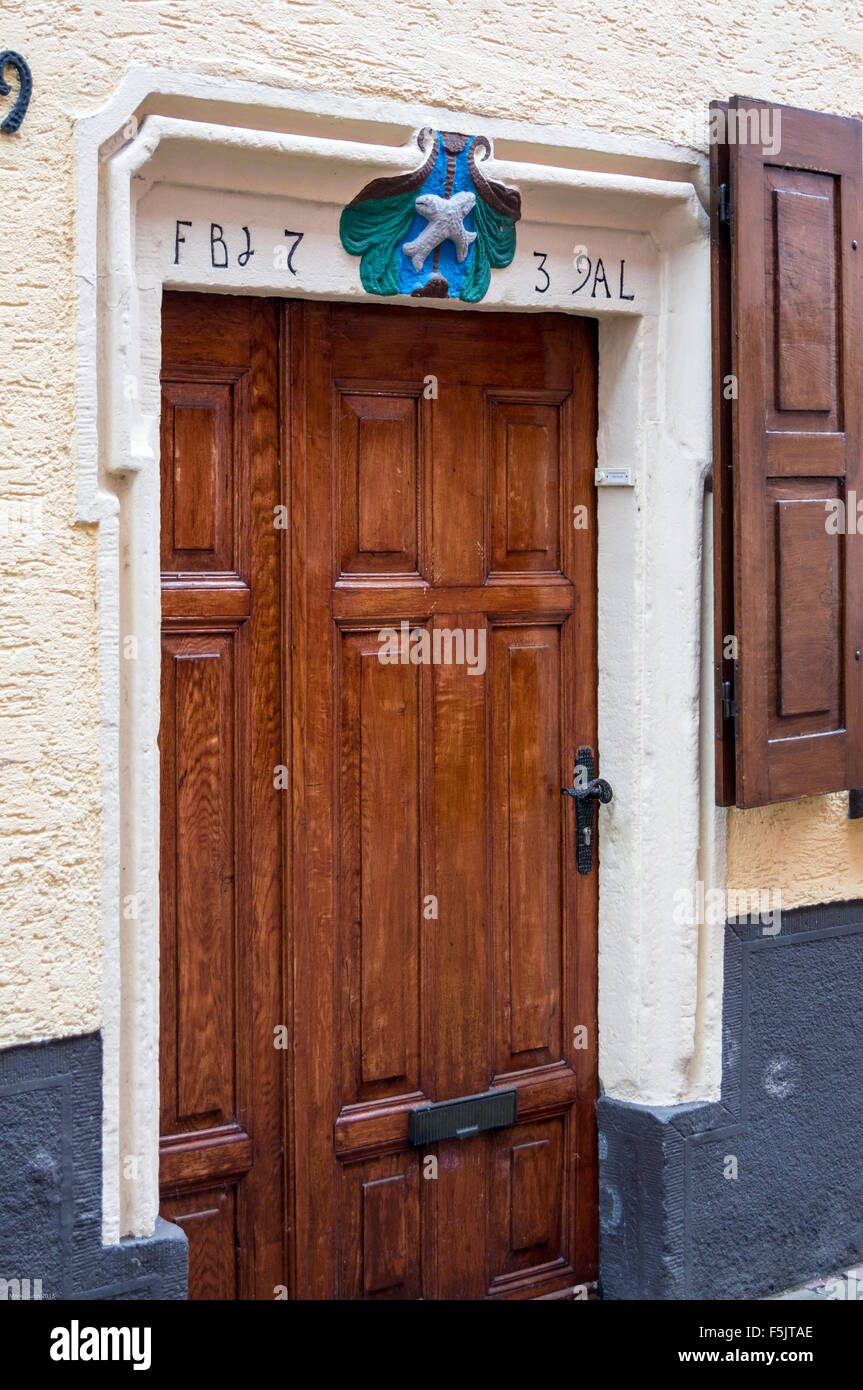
(462, 1118)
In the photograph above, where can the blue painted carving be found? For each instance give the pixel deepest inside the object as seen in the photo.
(438, 231)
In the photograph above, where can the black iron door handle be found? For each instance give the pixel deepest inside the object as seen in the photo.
(594, 789)
(597, 790)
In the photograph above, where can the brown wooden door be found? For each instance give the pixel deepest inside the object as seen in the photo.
(222, 1082)
(437, 938)
(437, 462)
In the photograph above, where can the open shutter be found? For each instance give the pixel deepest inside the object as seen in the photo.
(788, 344)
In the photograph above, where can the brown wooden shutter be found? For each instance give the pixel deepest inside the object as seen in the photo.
(787, 252)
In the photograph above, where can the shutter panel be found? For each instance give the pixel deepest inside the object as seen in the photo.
(787, 305)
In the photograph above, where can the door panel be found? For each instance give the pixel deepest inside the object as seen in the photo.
(451, 943)
(222, 1084)
(526, 843)
(380, 1041)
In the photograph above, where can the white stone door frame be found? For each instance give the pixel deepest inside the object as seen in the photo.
(660, 979)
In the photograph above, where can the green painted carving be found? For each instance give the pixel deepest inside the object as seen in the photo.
(374, 230)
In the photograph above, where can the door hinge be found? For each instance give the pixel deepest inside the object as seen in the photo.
(730, 712)
(726, 211)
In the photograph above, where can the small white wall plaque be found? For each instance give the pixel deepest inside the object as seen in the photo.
(614, 477)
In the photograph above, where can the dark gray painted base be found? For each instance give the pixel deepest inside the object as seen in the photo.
(672, 1225)
(51, 1161)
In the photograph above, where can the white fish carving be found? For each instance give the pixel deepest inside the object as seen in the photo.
(445, 218)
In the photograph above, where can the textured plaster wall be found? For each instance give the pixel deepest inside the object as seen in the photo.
(644, 68)
(807, 850)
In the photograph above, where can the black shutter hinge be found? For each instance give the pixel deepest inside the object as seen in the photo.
(726, 213)
(730, 711)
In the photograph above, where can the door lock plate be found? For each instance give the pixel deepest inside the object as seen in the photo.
(592, 789)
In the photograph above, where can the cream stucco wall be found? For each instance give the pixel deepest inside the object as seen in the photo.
(809, 851)
(635, 68)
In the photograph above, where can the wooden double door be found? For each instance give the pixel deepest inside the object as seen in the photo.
(379, 612)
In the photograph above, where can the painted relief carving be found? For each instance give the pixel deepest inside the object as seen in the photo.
(444, 222)
(438, 231)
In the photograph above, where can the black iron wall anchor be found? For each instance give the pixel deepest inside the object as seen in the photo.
(9, 59)
(594, 789)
